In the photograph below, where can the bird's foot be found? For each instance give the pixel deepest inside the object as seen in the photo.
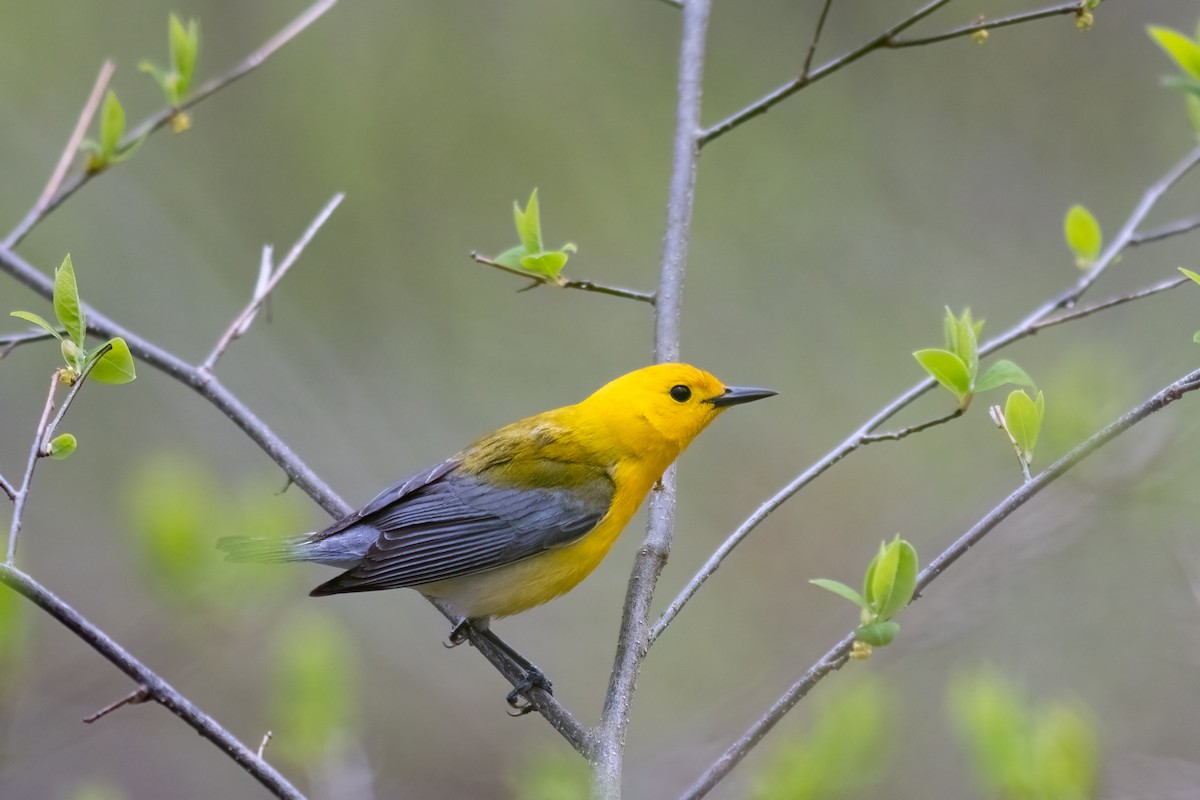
(518, 698)
(461, 632)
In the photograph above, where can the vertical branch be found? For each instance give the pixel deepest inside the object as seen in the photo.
(632, 640)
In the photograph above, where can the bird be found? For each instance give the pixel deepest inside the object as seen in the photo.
(523, 514)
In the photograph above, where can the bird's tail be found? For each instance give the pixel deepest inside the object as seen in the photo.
(262, 549)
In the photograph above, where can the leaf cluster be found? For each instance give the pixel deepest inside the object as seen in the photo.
(956, 365)
(888, 586)
(110, 362)
(531, 256)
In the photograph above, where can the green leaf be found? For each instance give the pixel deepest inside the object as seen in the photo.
(1000, 373)
(1083, 235)
(529, 225)
(1194, 276)
(1196, 337)
(948, 370)
(62, 446)
(878, 634)
(184, 45)
(1184, 51)
(66, 302)
(893, 579)
(511, 257)
(1024, 420)
(548, 263)
(112, 127)
(154, 71)
(74, 356)
(839, 588)
(115, 366)
(29, 316)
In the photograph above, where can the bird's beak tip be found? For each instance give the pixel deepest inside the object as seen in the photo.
(735, 395)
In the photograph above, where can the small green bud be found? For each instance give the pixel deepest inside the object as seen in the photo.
(61, 446)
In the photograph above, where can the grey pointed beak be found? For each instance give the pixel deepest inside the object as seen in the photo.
(735, 395)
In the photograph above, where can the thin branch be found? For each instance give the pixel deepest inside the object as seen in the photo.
(812, 47)
(565, 283)
(162, 692)
(885, 40)
(1165, 231)
(157, 121)
(1035, 321)
(672, 3)
(615, 291)
(241, 323)
(839, 653)
(11, 341)
(35, 452)
(1149, 291)
(41, 439)
(768, 101)
(896, 436)
(76, 139)
(1062, 9)
(8, 488)
(633, 638)
(139, 695)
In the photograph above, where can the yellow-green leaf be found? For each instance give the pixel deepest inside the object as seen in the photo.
(116, 365)
(66, 302)
(1083, 235)
(62, 446)
(1181, 49)
(947, 369)
(1023, 415)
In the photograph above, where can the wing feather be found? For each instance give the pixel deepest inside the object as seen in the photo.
(446, 522)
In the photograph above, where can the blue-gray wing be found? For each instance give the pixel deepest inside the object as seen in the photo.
(435, 527)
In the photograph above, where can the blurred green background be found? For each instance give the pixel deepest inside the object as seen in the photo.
(828, 236)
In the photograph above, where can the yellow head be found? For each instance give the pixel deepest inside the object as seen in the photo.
(659, 410)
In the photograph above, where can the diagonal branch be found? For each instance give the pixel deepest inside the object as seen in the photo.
(885, 40)
(839, 653)
(161, 691)
(241, 323)
(566, 283)
(154, 123)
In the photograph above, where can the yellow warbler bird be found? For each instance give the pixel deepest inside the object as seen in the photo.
(523, 514)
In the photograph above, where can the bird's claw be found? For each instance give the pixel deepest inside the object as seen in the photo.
(518, 698)
(460, 633)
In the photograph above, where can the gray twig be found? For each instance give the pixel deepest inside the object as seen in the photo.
(263, 290)
(565, 283)
(885, 40)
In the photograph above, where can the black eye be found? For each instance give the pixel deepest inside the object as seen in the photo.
(681, 393)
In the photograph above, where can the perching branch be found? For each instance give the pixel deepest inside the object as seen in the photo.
(839, 653)
(269, 279)
(1037, 320)
(161, 691)
(1063, 9)
(11, 341)
(633, 638)
(566, 283)
(157, 121)
(885, 40)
